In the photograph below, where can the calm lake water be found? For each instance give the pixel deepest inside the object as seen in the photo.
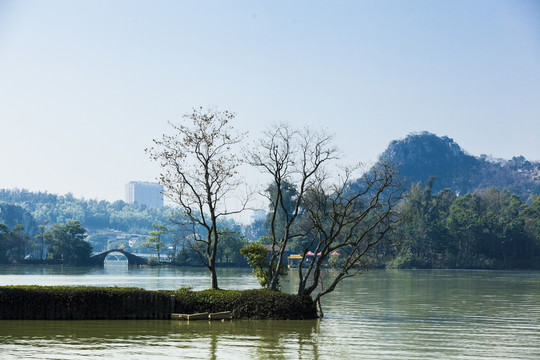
(377, 315)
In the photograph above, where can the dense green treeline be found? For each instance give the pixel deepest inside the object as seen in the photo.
(12, 243)
(490, 229)
(61, 244)
(68, 244)
(38, 216)
(32, 220)
(94, 214)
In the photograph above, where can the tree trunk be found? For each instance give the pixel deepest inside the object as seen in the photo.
(275, 275)
(213, 276)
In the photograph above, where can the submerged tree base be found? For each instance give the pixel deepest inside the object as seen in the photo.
(86, 303)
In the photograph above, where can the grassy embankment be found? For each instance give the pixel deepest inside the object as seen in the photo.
(83, 303)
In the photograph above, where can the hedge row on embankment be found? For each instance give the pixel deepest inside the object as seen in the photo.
(246, 304)
(84, 303)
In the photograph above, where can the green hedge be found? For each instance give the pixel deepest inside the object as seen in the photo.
(249, 304)
(78, 303)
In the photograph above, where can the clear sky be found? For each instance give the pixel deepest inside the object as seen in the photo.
(86, 85)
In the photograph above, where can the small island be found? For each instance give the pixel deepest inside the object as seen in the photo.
(116, 303)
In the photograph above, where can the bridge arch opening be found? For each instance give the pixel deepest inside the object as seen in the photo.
(100, 259)
(115, 257)
(115, 263)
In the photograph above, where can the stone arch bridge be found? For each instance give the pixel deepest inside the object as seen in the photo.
(99, 259)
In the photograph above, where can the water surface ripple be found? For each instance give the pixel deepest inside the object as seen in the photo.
(378, 315)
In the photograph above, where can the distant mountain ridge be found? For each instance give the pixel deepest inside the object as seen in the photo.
(422, 155)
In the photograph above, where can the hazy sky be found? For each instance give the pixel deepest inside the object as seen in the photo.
(86, 85)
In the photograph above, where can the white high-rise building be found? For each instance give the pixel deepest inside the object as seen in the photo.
(144, 193)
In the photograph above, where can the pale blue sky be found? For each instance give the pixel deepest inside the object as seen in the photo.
(86, 85)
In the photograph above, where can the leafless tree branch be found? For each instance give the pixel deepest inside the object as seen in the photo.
(200, 174)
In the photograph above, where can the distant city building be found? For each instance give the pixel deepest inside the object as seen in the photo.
(144, 193)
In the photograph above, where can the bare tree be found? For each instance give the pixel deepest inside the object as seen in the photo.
(329, 217)
(289, 157)
(346, 223)
(200, 175)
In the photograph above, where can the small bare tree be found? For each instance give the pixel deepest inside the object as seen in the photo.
(200, 175)
(344, 222)
(328, 217)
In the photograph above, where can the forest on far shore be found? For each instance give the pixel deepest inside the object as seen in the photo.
(489, 229)
(476, 212)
